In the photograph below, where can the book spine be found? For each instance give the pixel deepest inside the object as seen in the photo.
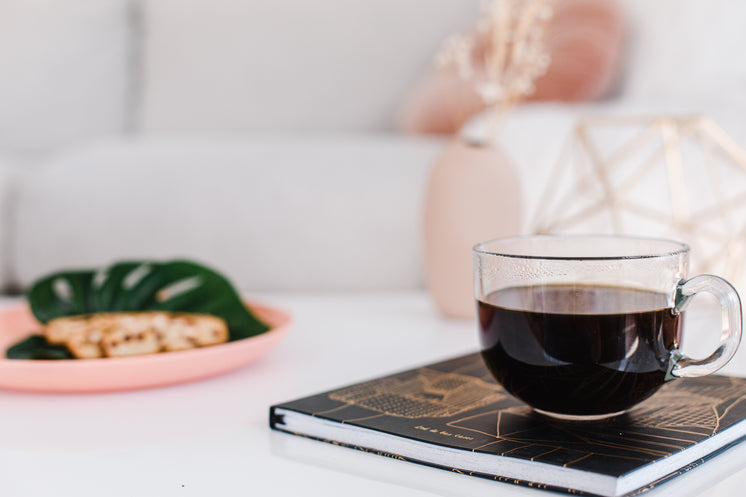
(275, 419)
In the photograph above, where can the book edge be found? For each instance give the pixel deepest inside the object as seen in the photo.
(684, 469)
(683, 460)
(626, 485)
(405, 449)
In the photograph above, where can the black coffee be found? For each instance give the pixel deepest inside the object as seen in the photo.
(579, 350)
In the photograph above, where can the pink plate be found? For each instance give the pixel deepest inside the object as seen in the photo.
(108, 375)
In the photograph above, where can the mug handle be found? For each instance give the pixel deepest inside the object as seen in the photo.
(681, 366)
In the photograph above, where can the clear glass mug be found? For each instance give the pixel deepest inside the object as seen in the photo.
(585, 327)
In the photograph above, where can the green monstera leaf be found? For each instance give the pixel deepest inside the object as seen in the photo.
(37, 347)
(178, 286)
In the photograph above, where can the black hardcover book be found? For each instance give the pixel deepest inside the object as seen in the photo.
(454, 416)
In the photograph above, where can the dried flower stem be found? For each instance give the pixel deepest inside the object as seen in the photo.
(513, 57)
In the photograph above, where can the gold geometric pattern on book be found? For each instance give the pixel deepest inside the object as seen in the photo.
(426, 393)
(684, 413)
(683, 409)
(671, 177)
(681, 415)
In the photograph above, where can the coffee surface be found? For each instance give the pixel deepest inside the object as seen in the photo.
(575, 349)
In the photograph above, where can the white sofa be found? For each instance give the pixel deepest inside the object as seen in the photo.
(260, 137)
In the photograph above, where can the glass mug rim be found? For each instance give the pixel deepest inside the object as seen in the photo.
(667, 247)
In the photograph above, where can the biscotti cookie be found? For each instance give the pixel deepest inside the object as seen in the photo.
(135, 333)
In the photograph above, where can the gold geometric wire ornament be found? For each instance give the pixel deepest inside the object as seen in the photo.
(682, 178)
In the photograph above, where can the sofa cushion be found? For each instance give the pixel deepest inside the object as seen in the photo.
(682, 50)
(331, 213)
(232, 66)
(65, 72)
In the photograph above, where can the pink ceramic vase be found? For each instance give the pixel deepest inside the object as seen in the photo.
(473, 195)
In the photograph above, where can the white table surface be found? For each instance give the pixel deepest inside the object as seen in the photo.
(212, 437)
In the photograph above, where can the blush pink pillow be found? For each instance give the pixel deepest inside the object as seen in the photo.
(585, 41)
